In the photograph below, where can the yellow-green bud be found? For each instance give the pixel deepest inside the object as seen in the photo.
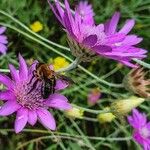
(122, 107)
(74, 113)
(106, 117)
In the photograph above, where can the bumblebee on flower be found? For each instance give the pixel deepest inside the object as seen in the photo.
(23, 95)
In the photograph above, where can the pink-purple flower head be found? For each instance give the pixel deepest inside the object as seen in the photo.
(125, 46)
(141, 133)
(26, 101)
(3, 41)
(93, 96)
(88, 40)
(85, 39)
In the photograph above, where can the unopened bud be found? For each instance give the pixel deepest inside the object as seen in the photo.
(74, 113)
(122, 107)
(106, 117)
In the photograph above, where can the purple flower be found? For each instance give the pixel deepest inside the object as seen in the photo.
(84, 38)
(3, 41)
(21, 97)
(141, 133)
(124, 47)
(88, 40)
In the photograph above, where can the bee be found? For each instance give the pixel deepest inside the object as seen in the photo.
(48, 78)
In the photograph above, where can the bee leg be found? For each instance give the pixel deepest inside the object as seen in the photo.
(53, 85)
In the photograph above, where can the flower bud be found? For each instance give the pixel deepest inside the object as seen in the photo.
(105, 117)
(122, 107)
(94, 96)
(74, 113)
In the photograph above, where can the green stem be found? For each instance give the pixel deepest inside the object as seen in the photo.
(4, 70)
(101, 80)
(82, 135)
(91, 110)
(73, 65)
(142, 63)
(30, 31)
(70, 135)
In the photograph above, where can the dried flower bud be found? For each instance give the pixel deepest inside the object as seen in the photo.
(106, 117)
(74, 113)
(135, 82)
(122, 107)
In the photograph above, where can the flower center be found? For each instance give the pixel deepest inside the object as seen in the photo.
(29, 94)
(145, 132)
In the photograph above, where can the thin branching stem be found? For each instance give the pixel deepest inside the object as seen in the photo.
(91, 110)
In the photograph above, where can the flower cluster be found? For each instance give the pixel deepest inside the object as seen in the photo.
(141, 133)
(87, 40)
(3, 41)
(23, 96)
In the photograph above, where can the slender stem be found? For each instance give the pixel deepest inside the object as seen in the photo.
(73, 65)
(60, 143)
(30, 31)
(70, 135)
(101, 80)
(91, 110)
(4, 70)
(110, 73)
(144, 64)
(88, 119)
(82, 135)
(49, 137)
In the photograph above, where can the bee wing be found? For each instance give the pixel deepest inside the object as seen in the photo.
(66, 79)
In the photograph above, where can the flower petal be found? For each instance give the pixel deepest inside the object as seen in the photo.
(8, 108)
(21, 119)
(46, 119)
(112, 39)
(61, 84)
(3, 48)
(2, 29)
(6, 81)
(23, 70)
(113, 23)
(90, 40)
(3, 39)
(127, 27)
(132, 40)
(137, 120)
(100, 49)
(32, 117)
(14, 73)
(58, 101)
(7, 95)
